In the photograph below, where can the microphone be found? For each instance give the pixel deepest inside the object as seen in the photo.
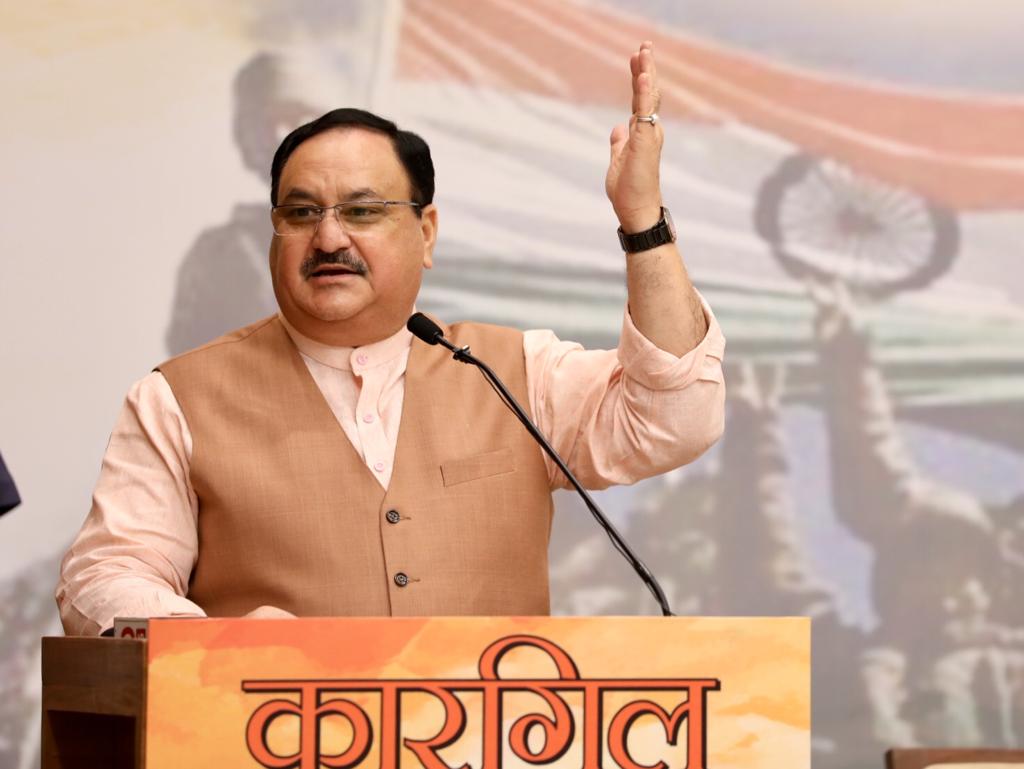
(426, 330)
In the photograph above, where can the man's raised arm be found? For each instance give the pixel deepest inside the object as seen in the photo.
(657, 402)
(662, 302)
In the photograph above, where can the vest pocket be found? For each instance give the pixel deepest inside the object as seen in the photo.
(479, 466)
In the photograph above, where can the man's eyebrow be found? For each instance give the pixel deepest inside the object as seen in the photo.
(299, 194)
(363, 193)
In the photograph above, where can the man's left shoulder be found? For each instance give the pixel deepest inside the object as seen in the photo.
(484, 331)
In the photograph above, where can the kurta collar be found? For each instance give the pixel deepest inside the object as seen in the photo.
(354, 359)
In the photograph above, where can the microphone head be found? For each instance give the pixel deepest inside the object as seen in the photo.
(424, 328)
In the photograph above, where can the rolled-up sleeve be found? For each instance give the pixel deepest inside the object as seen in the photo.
(136, 549)
(618, 416)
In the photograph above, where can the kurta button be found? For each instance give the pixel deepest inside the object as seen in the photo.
(401, 579)
(393, 516)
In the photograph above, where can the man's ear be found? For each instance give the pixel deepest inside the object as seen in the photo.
(428, 227)
(272, 257)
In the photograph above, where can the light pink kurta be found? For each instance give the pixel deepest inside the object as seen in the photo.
(615, 416)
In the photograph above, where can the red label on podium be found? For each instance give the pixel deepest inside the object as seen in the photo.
(131, 627)
(447, 693)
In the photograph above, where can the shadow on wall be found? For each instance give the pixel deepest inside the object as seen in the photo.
(27, 612)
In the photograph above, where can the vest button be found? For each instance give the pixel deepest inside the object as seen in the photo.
(401, 579)
(393, 516)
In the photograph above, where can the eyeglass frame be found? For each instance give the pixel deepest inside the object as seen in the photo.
(337, 208)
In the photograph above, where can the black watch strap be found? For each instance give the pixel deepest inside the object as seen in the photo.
(658, 235)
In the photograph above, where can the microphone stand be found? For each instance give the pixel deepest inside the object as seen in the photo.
(463, 355)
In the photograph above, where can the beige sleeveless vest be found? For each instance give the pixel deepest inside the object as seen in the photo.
(290, 516)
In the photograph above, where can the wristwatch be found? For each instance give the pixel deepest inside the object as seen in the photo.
(660, 234)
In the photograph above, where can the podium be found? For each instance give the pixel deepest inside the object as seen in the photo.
(484, 693)
(93, 703)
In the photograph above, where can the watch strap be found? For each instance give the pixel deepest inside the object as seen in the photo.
(658, 235)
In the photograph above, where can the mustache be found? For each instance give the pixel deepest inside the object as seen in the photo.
(340, 258)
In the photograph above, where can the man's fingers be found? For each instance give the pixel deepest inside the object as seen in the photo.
(646, 60)
(620, 134)
(643, 99)
(269, 612)
(648, 50)
(642, 64)
(646, 97)
(647, 67)
(634, 66)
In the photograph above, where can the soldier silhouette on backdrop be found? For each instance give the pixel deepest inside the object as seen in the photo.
(224, 282)
(945, 664)
(945, 661)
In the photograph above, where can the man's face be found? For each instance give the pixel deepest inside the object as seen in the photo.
(371, 294)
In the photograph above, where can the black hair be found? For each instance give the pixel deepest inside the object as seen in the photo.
(412, 151)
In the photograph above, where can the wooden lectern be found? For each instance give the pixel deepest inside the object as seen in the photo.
(432, 692)
(93, 703)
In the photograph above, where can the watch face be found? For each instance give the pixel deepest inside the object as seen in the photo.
(668, 221)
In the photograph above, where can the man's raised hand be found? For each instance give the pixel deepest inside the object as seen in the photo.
(632, 183)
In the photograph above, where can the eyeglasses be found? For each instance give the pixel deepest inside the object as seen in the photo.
(302, 219)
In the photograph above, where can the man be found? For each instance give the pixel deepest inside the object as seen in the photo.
(228, 489)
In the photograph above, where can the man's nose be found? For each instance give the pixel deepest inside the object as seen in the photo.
(331, 234)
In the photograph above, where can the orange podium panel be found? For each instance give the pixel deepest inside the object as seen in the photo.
(478, 692)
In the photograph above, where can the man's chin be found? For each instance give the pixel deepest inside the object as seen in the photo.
(304, 314)
(344, 327)
(334, 314)
(334, 303)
